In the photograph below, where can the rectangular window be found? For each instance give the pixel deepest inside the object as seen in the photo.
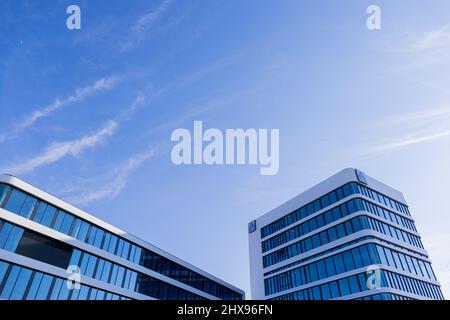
(44, 287)
(67, 223)
(325, 201)
(59, 220)
(344, 286)
(83, 231)
(332, 235)
(3, 191)
(305, 228)
(336, 214)
(354, 285)
(329, 263)
(45, 249)
(313, 272)
(348, 261)
(340, 231)
(316, 241)
(321, 269)
(328, 217)
(316, 293)
(15, 201)
(308, 244)
(334, 289)
(35, 283)
(48, 215)
(339, 264)
(365, 255)
(10, 282)
(357, 258)
(28, 207)
(382, 255)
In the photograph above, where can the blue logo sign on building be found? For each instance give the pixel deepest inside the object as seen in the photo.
(361, 176)
(252, 226)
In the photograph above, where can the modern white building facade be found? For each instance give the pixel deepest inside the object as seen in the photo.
(349, 237)
(50, 249)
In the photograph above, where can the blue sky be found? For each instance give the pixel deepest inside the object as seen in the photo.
(87, 114)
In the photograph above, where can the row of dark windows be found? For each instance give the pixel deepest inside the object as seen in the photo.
(359, 257)
(358, 283)
(336, 248)
(337, 232)
(20, 283)
(29, 207)
(327, 200)
(332, 215)
(48, 250)
(322, 253)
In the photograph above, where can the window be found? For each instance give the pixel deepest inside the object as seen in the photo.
(323, 237)
(325, 289)
(365, 255)
(313, 272)
(3, 191)
(357, 258)
(382, 255)
(356, 225)
(59, 220)
(329, 263)
(325, 201)
(316, 241)
(308, 244)
(340, 231)
(34, 287)
(332, 235)
(328, 217)
(10, 282)
(44, 287)
(336, 214)
(83, 231)
(334, 289)
(28, 207)
(339, 264)
(15, 201)
(344, 286)
(354, 285)
(316, 293)
(42, 248)
(48, 215)
(348, 261)
(67, 223)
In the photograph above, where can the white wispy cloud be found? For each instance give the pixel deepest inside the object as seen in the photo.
(79, 95)
(420, 49)
(111, 186)
(438, 39)
(420, 117)
(57, 151)
(145, 23)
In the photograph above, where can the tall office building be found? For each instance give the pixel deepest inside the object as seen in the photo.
(52, 250)
(349, 237)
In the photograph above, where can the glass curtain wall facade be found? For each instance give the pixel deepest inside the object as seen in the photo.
(44, 242)
(349, 237)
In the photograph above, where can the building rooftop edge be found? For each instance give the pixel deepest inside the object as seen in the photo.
(327, 185)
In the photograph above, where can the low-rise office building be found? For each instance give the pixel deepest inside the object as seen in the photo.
(50, 249)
